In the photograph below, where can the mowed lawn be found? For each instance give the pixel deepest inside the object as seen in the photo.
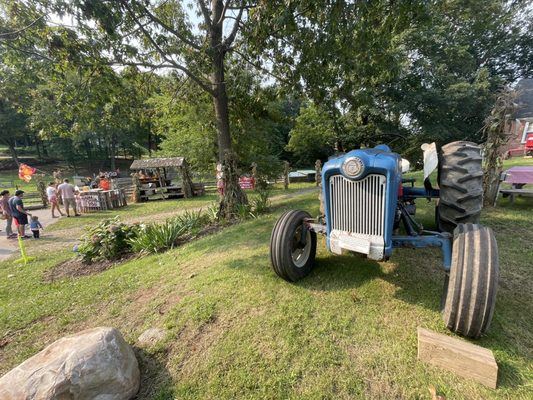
(236, 330)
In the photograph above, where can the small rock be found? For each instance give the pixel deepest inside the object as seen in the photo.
(92, 364)
(150, 337)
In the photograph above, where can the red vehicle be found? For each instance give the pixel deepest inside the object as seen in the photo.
(529, 144)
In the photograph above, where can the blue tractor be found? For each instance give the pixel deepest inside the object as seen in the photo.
(366, 204)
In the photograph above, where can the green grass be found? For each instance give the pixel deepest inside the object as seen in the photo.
(31, 186)
(155, 207)
(137, 210)
(235, 330)
(512, 162)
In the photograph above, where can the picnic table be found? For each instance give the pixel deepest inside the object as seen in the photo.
(518, 177)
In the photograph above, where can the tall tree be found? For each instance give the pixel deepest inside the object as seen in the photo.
(167, 38)
(428, 69)
(190, 38)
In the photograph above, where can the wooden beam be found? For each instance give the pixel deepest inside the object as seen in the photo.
(465, 359)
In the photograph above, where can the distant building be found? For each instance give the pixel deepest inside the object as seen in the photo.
(522, 123)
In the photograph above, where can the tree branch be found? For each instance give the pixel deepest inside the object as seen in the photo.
(170, 29)
(223, 14)
(205, 12)
(163, 54)
(229, 40)
(29, 52)
(22, 29)
(259, 67)
(141, 64)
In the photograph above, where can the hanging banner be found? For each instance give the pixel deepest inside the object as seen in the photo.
(26, 172)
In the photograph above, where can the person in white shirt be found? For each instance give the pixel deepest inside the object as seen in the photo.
(51, 193)
(66, 191)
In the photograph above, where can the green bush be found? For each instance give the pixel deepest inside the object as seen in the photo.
(153, 238)
(106, 241)
(193, 221)
(261, 204)
(245, 211)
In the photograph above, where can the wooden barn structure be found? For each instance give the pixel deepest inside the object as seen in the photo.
(163, 178)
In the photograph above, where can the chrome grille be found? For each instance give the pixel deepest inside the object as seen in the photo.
(358, 206)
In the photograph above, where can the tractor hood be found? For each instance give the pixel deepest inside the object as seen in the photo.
(360, 197)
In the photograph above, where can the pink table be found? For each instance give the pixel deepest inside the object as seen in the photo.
(517, 175)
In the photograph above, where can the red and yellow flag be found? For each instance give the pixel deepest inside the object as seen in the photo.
(26, 172)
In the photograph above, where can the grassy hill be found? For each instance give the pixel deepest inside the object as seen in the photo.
(233, 329)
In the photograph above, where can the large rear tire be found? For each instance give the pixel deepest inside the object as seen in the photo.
(469, 293)
(461, 185)
(291, 255)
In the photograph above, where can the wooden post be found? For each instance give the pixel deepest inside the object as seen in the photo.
(161, 185)
(136, 187)
(41, 187)
(186, 180)
(465, 359)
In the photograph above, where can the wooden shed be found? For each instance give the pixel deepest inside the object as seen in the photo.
(163, 178)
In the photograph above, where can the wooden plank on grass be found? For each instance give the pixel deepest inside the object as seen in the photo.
(465, 359)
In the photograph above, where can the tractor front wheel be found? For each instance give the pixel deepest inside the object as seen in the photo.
(292, 246)
(470, 290)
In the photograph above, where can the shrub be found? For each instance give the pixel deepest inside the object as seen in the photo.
(213, 212)
(107, 240)
(153, 238)
(245, 211)
(193, 221)
(261, 204)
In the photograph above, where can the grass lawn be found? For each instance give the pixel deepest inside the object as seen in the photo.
(137, 210)
(235, 330)
(17, 183)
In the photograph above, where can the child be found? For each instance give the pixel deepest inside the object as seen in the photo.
(35, 225)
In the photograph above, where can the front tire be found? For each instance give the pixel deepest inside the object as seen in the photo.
(291, 255)
(460, 180)
(469, 293)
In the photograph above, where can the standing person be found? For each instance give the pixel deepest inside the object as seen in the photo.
(19, 213)
(35, 226)
(66, 191)
(51, 192)
(7, 214)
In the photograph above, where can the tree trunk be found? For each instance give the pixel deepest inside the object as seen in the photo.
(234, 196)
(13, 151)
(112, 150)
(87, 146)
(37, 148)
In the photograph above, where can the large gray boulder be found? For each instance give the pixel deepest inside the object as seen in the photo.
(95, 364)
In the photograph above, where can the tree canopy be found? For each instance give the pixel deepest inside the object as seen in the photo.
(272, 80)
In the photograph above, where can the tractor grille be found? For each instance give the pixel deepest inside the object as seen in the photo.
(358, 206)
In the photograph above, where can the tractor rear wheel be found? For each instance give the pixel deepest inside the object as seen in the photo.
(469, 293)
(292, 246)
(461, 185)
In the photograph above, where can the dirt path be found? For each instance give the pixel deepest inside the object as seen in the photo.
(10, 246)
(68, 237)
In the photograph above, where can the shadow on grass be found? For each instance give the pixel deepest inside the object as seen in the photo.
(508, 376)
(156, 382)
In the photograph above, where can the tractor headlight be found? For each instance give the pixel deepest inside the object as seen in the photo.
(353, 167)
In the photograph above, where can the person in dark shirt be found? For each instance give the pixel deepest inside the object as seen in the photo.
(19, 214)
